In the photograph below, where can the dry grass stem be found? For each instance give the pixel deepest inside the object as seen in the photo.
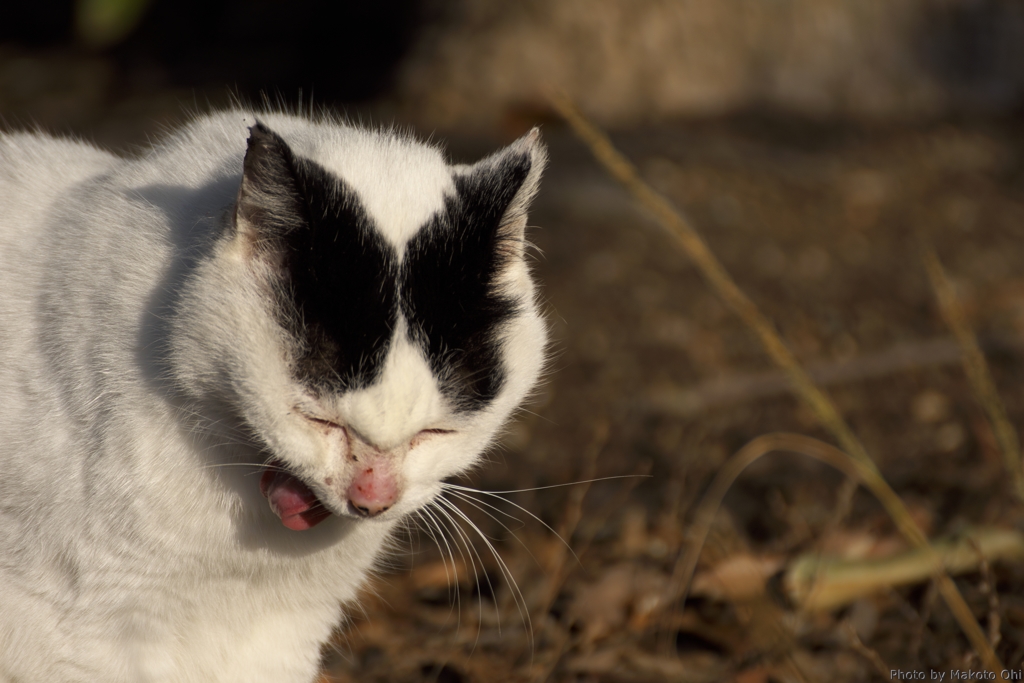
(727, 474)
(570, 521)
(816, 583)
(736, 388)
(921, 618)
(726, 390)
(574, 512)
(714, 272)
(866, 652)
(844, 503)
(932, 559)
(988, 589)
(977, 370)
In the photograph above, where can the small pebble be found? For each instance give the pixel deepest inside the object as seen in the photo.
(930, 406)
(813, 263)
(950, 437)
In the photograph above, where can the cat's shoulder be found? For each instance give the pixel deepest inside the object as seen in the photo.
(31, 157)
(38, 144)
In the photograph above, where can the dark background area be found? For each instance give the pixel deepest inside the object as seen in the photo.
(340, 51)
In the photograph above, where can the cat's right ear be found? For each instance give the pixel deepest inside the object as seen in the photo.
(269, 204)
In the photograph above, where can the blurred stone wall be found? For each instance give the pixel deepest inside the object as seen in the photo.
(628, 61)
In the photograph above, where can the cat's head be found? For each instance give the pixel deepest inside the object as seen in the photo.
(371, 314)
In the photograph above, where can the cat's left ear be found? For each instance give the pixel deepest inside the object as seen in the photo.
(527, 153)
(507, 182)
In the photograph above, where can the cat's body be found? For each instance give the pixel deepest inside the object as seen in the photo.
(335, 330)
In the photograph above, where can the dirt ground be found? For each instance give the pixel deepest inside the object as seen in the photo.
(653, 380)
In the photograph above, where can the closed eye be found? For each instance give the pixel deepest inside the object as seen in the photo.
(426, 434)
(321, 421)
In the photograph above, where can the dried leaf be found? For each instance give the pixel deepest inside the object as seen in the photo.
(740, 577)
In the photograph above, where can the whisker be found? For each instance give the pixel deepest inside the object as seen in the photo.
(477, 504)
(462, 495)
(461, 535)
(264, 465)
(552, 486)
(431, 523)
(424, 524)
(517, 594)
(465, 489)
(457, 600)
(473, 556)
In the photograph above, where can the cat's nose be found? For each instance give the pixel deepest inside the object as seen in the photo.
(373, 491)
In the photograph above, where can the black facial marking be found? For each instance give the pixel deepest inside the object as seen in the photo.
(448, 285)
(337, 295)
(340, 286)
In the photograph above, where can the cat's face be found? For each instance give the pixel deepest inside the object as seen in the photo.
(385, 319)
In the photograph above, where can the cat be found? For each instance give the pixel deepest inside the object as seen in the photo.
(231, 366)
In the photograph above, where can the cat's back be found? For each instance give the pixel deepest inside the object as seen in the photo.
(50, 184)
(35, 170)
(80, 222)
(44, 164)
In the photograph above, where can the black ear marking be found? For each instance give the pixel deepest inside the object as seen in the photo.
(335, 289)
(269, 200)
(450, 291)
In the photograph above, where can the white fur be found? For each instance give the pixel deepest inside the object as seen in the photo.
(137, 343)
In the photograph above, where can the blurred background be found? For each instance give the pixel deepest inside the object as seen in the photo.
(814, 144)
(477, 64)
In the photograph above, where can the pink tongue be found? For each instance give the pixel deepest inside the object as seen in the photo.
(291, 500)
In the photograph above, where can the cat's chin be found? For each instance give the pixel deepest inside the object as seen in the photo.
(291, 499)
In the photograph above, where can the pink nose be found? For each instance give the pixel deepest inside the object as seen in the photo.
(373, 491)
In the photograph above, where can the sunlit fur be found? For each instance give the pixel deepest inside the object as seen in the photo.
(145, 383)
